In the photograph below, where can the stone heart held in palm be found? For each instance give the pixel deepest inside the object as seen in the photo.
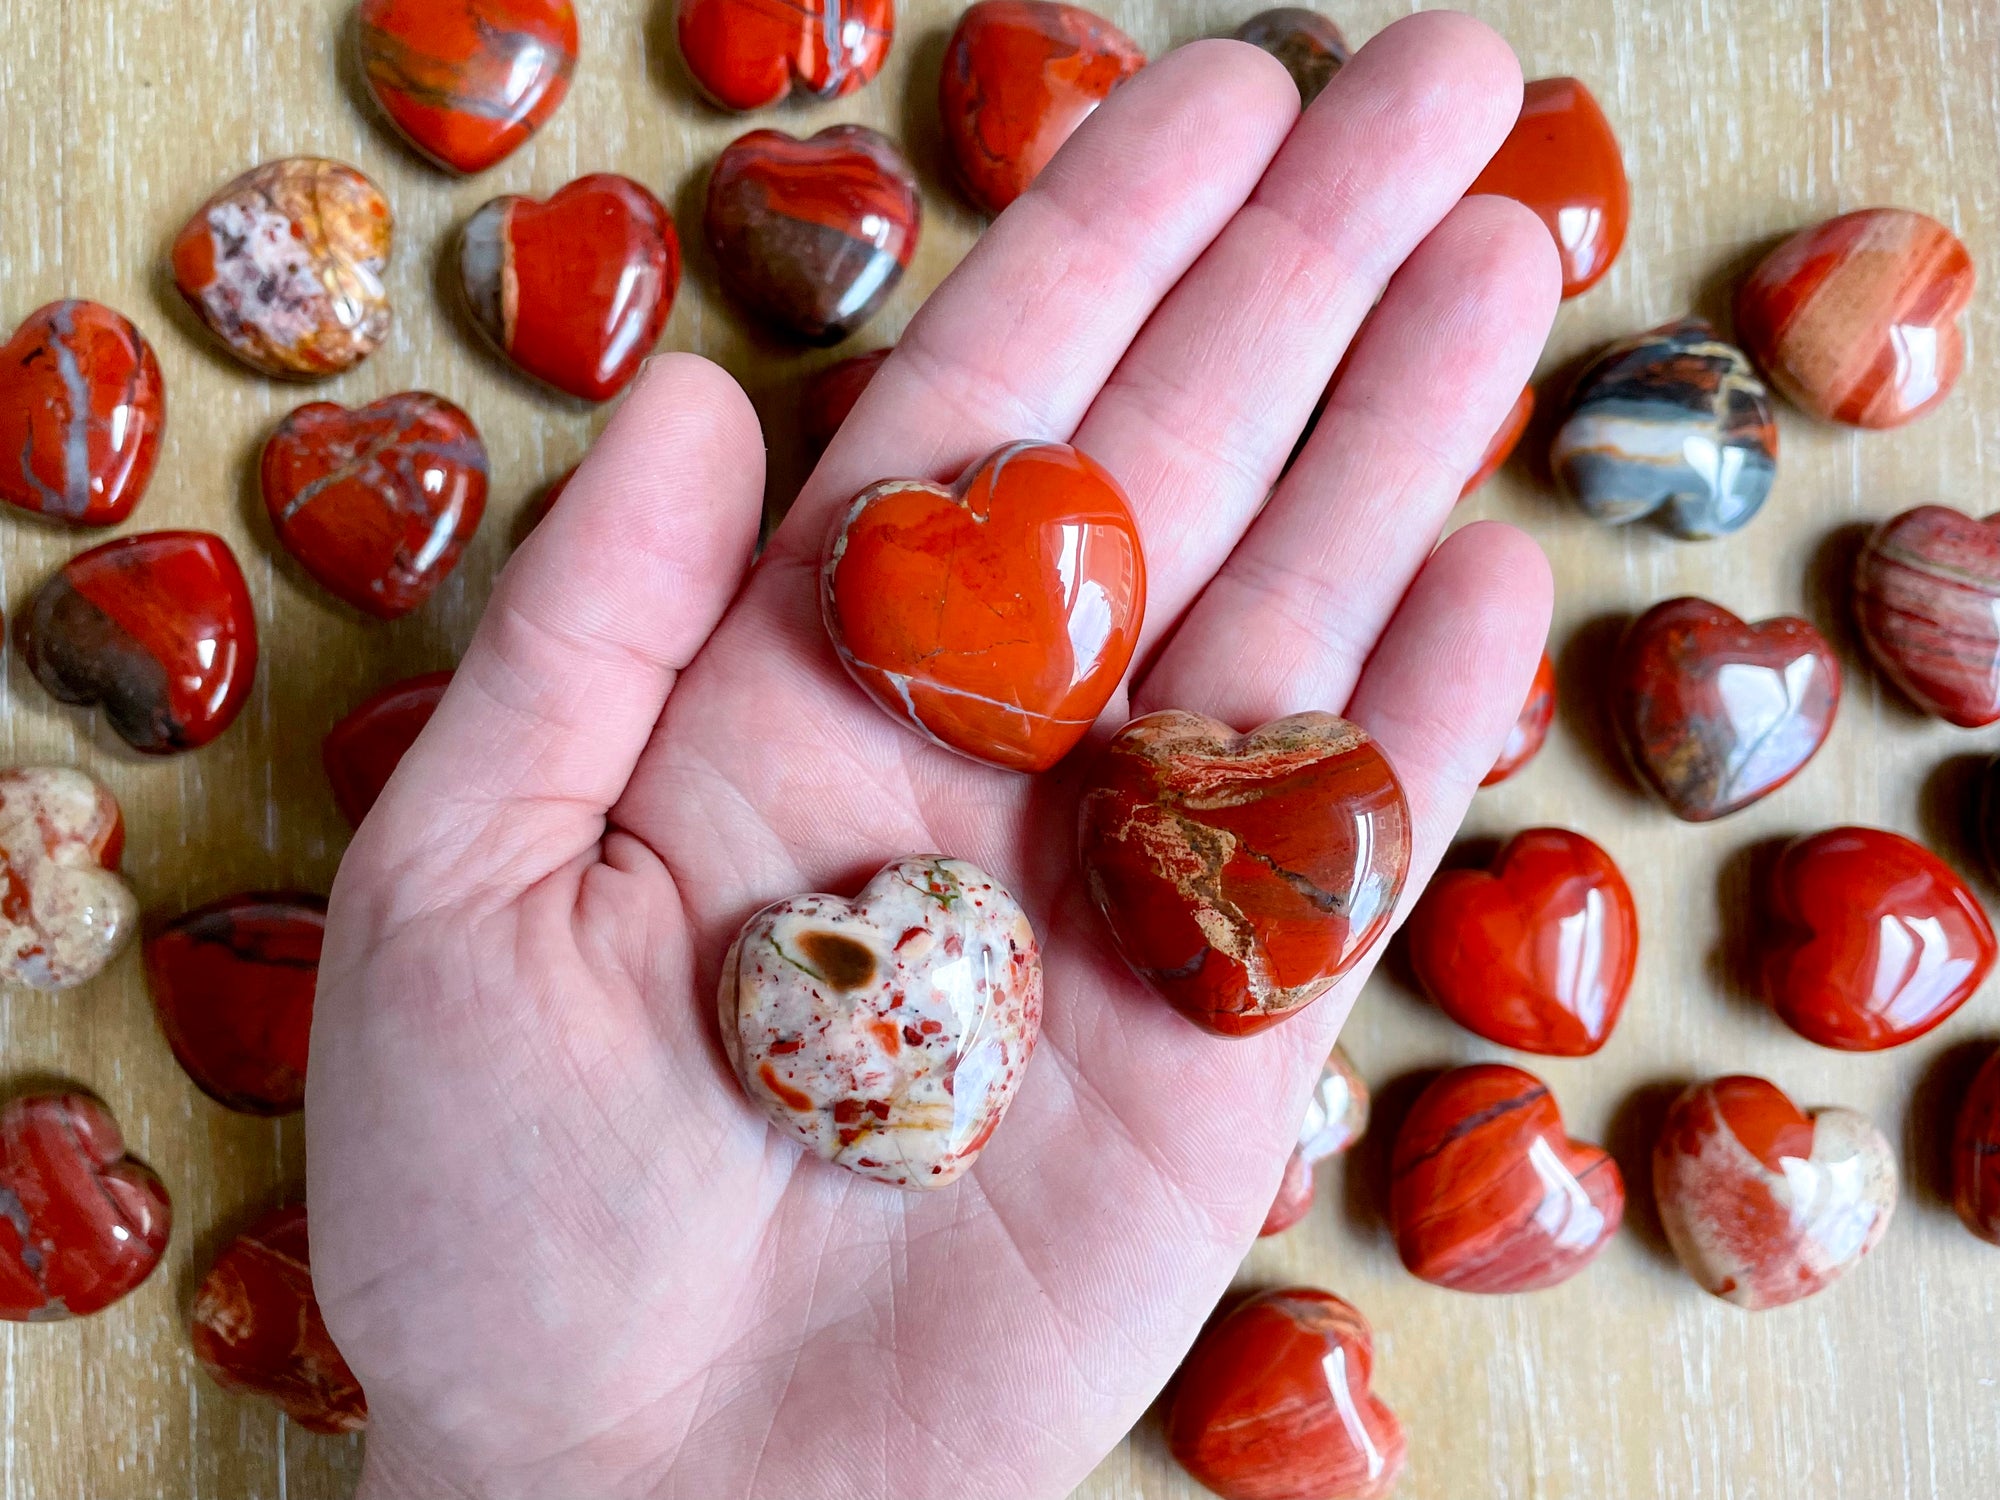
(888, 1033)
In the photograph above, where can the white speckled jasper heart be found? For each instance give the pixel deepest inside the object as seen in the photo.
(888, 1033)
(64, 913)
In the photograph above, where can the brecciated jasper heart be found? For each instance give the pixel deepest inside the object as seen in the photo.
(84, 1222)
(66, 912)
(996, 616)
(362, 751)
(377, 504)
(1927, 598)
(1242, 874)
(1489, 1194)
(1336, 1117)
(1273, 1403)
(576, 290)
(751, 54)
(81, 408)
(157, 628)
(812, 235)
(1537, 953)
(1765, 1205)
(1716, 714)
(888, 1033)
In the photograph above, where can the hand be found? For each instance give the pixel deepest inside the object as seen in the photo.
(565, 1256)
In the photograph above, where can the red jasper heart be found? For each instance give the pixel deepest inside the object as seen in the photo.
(1242, 874)
(1531, 728)
(1975, 1154)
(751, 54)
(1505, 440)
(1273, 1403)
(829, 395)
(377, 504)
(81, 408)
(85, 1223)
(1537, 954)
(1716, 714)
(156, 628)
(997, 616)
(1927, 599)
(1765, 1205)
(66, 913)
(1335, 1118)
(1562, 160)
(1872, 940)
(575, 291)
(1489, 1194)
(362, 751)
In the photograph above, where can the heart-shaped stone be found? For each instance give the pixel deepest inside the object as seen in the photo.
(81, 408)
(157, 628)
(1273, 1403)
(232, 983)
(1019, 76)
(1562, 160)
(812, 235)
(466, 83)
(84, 1223)
(1856, 319)
(997, 616)
(1242, 874)
(829, 395)
(1504, 441)
(1531, 728)
(285, 267)
(377, 504)
(67, 913)
(1336, 1117)
(1306, 42)
(1765, 1205)
(1716, 714)
(1871, 940)
(1487, 1191)
(1927, 599)
(752, 54)
(888, 1033)
(575, 291)
(1539, 952)
(257, 1328)
(1975, 1154)
(362, 751)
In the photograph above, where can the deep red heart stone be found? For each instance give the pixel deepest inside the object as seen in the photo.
(752, 54)
(1336, 1117)
(1531, 728)
(829, 395)
(812, 235)
(1975, 1154)
(1242, 874)
(1272, 1403)
(1716, 714)
(84, 1223)
(64, 911)
(157, 628)
(81, 408)
(1019, 76)
(1489, 1194)
(1927, 599)
(1562, 160)
(377, 504)
(232, 983)
(362, 751)
(1505, 441)
(575, 291)
(1872, 940)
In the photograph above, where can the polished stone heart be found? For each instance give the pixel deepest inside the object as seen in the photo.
(156, 628)
(1927, 599)
(81, 408)
(1975, 1154)
(1765, 1205)
(1871, 940)
(376, 504)
(889, 1033)
(1273, 1403)
(84, 1223)
(1531, 726)
(1487, 1191)
(997, 616)
(1504, 441)
(1716, 714)
(1562, 160)
(467, 82)
(1336, 1117)
(362, 751)
(1537, 953)
(1306, 42)
(752, 54)
(575, 291)
(812, 236)
(829, 395)
(1242, 874)
(66, 912)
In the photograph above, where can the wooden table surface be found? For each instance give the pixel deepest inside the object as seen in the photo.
(1740, 122)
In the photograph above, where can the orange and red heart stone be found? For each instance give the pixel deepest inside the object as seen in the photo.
(1975, 1154)
(1927, 599)
(1505, 440)
(1562, 160)
(1242, 874)
(362, 751)
(1531, 727)
(752, 54)
(1336, 1117)
(996, 616)
(1487, 1191)
(829, 395)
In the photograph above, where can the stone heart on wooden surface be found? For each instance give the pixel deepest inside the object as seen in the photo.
(996, 616)
(1242, 874)
(888, 1033)
(67, 912)
(1562, 160)
(1975, 1153)
(1927, 599)
(1531, 727)
(829, 394)
(1336, 1117)
(362, 751)
(752, 54)
(1765, 1205)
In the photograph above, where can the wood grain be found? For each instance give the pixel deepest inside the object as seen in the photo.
(1740, 123)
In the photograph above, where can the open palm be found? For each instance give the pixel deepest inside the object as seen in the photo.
(563, 1253)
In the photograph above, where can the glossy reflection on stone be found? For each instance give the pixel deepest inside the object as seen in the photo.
(829, 395)
(1975, 1153)
(1927, 600)
(362, 751)
(1336, 1117)
(1531, 729)
(1562, 160)
(752, 54)
(1306, 42)
(1505, 441)
(66, 913)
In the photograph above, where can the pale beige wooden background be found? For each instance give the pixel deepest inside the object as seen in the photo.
(1740, 121)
